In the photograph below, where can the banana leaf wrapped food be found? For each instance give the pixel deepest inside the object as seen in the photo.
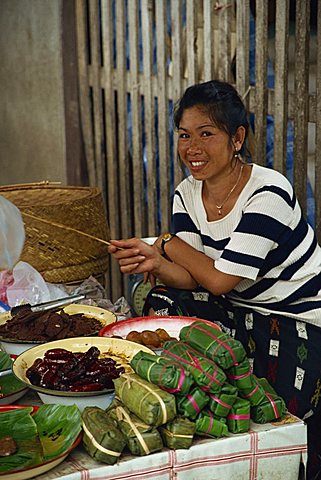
(141, 439)
(241, 375)
(254, 394)
(149, 402)
(191, 404)
(206, 373)
(272, 408)
(266, 385)
(220, 404)
(165, 373)
(178, 433)
(102, 438)
(215, 344)
(238, 419)
(209, 424)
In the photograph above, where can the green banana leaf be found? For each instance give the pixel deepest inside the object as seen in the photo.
(215, 344)
(238, 419)
(102, 438)
(142, 439)
(165, 373)
(272, 408)
(220, 404)
(178, 433)
(207, 424)
(149, 402)
(207, 375)
(191, 405)
(58, 427)
(19, 425)
(48, 433)
(5, 361)
(10, 384)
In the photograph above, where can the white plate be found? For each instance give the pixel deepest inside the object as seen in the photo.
(14, 347)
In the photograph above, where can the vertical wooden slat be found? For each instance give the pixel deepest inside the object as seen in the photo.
(191, 38)
(208, 40)
(281, 85)
(261, 80)
(136, 118)
(97, 93)
(177, 68)
(85, 108)
(243, 47)
(163, 138)
(301, 107)
(317, 188)
(123, 167)
(114, 286)
(147, 11)
(225, 20)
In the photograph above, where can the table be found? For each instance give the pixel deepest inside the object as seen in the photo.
(269, 451)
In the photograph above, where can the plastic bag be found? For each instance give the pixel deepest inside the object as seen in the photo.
(29, 287)
(12, 234)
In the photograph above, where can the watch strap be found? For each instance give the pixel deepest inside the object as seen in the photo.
(167, 237)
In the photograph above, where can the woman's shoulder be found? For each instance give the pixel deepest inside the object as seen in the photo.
(189, 186)
(264, 176)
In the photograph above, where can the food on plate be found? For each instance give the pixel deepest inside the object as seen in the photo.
(32, 438)
(61, 369)
(149, 338)
(8, 446)
(53, 324)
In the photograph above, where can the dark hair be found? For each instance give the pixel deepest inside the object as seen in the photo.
(220, 101)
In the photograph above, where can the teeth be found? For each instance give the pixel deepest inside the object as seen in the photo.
(197, 164)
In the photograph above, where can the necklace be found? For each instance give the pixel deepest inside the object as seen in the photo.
(219, 207)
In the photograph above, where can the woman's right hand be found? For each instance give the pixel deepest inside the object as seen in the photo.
(134, 255)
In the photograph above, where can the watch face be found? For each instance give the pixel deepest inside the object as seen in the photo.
(166, 237)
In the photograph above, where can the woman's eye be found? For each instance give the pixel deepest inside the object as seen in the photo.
(206, 134)
(183, 135)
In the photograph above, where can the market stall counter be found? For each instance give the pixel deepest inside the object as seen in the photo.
(272, 450)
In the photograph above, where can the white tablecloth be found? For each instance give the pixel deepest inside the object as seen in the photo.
(269, 451)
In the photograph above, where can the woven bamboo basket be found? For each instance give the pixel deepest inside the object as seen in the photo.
(62, 255)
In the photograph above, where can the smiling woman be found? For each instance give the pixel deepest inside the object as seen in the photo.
(242, 253)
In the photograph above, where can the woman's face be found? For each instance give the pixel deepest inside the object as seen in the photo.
(204, 149)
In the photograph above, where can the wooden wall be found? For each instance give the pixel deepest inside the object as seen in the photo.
(135, 59)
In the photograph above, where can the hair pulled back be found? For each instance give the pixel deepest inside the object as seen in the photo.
(222, 104)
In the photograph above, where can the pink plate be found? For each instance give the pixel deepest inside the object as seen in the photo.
(172, 325)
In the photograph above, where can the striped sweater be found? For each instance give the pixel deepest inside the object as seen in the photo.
(264, 239)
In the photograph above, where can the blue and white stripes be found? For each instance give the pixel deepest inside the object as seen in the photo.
(264, 240)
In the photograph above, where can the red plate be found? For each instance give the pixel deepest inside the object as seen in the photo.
(34, 470)
(172, 325)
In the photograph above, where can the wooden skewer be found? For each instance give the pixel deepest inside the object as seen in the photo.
(49, 222)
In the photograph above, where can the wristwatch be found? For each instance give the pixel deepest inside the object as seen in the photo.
(167, 237)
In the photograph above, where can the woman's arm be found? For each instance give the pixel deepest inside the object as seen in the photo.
(136, 256)
(200, 267)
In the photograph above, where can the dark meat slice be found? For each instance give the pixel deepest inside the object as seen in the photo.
(8, 446)
(55, 324)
